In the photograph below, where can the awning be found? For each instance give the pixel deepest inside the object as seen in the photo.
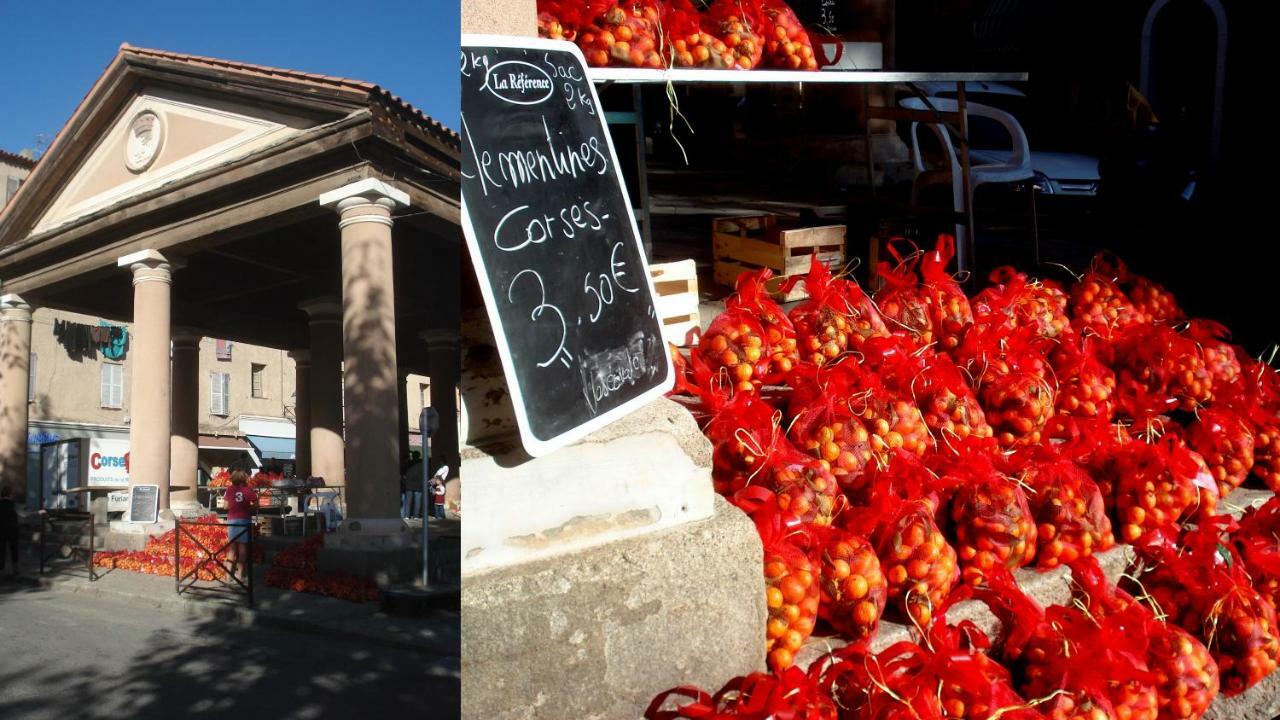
(212, 442)
(225, 451)
(273, 448)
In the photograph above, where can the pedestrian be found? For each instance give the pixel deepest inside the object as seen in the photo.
(411, 487)
(8, 532)
(438, 496)
(241, 501)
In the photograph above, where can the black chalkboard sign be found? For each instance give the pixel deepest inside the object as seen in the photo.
(554, 242)
(144, 502)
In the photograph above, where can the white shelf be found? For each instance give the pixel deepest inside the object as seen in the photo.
(632, 76)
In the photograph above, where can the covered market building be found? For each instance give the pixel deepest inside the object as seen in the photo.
(195, 197)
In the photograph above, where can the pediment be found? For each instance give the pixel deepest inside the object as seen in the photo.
(161, 136)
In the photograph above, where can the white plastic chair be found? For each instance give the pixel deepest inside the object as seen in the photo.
(1016, 170)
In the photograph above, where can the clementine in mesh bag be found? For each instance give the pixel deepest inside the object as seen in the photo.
(1070, 516)
(787, 45)
(624, 33)
(949, 306)
(1203, 585)
(1224, 438)
(792, 590)
(735, 23)
(752, 297)
(990, 517)
(1086, 386)
(854, 591)
(1020, 302)
(903, 303)
(1099, 305)
(736, 341)
(1186, 675)
(789, 693)
(837, 317)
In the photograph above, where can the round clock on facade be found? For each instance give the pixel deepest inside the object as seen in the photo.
(143, 142)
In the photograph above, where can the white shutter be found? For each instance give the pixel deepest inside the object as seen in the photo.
(112, 385)
(218, 385)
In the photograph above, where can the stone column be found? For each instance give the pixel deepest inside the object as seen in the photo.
(370, 370)
(184, 438)
(149, 392)
(302, 413)
(325, 386)
(15, 365)
(442, 345)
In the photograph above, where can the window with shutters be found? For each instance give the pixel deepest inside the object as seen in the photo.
(220, 385)
(112, 385)
(222, 349)
(256, 372)
(424, 395)
(31, 379)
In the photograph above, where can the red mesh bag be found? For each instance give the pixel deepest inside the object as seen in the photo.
(947, 676)
(744, 433)
(803, 488)
(688, 44)
(752, 297)
(735, 341)
(1083, 666)
(824, 426)
(1099, 305)
(949, 306)
(624, 33)
(1219, 356)
(736, 24)
(792, 589)
(1159, 485)
(1257, 539)
(559, 20)
(1070, 516)
(1186, 675)
(970, 684)
(1203, 586)
(684, 382)
(1022, 303)
(787, 45)
(1149, 297)
(1015, 395)
(1225, 440)
(1160, 361)
(936, 385)
(1094, 445)
(990, 516)
(854, 591)
(759, 696)
(890, 418)
(1258, 394)
(918, 562)
(837, 317)
(1085, 385)
(903, 303)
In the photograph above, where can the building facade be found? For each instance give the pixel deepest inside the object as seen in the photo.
(14, 168)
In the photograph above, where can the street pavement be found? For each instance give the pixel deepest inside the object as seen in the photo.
(90, 656)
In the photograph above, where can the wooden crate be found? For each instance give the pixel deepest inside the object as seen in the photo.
(744, 244)
(676, 284)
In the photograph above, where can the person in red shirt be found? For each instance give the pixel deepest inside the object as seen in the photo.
(241, 500)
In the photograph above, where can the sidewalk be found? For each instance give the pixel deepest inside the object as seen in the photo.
(437, 634)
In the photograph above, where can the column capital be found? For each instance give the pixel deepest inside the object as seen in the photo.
(14, 308)
(301, 358)
(147, 266)
(322, 310)
(186, 338)
(376, 198)
(440, 339)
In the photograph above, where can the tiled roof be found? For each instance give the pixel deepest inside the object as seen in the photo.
(9, 158)
(375, 92)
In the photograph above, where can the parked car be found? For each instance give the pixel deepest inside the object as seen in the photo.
(1059, 173)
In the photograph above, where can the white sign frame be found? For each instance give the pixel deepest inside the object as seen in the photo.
(534, 446)
(155, 506)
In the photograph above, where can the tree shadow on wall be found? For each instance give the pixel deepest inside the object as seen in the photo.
(371, 377)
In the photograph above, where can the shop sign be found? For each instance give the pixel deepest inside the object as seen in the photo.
(108, 463)
(554, 242)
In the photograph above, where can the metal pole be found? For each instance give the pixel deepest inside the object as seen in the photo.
(428, 422)
(177, 564)
(426, 486)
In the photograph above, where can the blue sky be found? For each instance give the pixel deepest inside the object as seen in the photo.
(53, 52)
